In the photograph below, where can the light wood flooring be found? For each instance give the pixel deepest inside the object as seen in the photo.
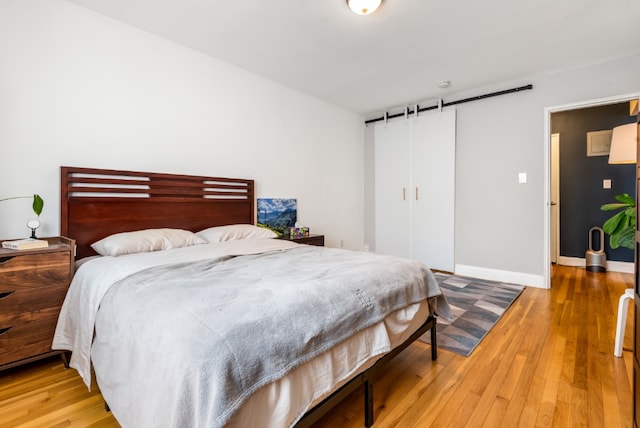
(548, 362)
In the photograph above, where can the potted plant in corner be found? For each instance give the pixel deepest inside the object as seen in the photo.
(622, 226)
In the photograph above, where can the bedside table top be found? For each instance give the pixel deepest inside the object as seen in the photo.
(56, 243)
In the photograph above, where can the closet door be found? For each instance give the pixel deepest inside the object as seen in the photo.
(392, 190)
(433, 193)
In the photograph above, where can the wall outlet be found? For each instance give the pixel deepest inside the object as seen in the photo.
(341, 243)
(606, 183)
(366, 248)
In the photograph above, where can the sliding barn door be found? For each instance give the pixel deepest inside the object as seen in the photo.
(433, 166)
(392, 175)
(415, 188)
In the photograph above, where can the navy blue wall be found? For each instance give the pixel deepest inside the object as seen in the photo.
(581, 192)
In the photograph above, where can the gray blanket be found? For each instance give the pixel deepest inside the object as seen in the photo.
(185, 345)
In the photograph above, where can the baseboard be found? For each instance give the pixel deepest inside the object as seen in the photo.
(571, 261)
(527, 279)
(625, 267)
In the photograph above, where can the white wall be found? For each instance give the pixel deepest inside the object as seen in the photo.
(500, 223)
(79, 89)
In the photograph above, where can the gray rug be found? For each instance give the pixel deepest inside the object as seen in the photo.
(477, 304)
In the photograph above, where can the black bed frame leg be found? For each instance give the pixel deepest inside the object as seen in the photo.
(434, 347)
(368, 404)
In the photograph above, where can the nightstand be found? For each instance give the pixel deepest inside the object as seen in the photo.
(33, 285)
(317, 240)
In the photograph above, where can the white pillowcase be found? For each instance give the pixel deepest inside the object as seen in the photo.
(147, 240)
(235, 231)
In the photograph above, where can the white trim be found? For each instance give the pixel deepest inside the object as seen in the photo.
(501, 275)
(625, 267)
(613, 266)
(546, 268)
(572, 261)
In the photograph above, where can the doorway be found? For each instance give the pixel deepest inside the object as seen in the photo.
(552, 217)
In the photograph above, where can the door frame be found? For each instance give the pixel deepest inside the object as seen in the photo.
(546, 257)
(554, 198)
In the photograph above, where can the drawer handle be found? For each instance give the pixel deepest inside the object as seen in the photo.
(4, 330)
(5, 294)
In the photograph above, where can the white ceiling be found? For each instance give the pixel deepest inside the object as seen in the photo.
(397, 55)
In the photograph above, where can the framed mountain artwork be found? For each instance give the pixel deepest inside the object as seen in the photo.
(277, 214)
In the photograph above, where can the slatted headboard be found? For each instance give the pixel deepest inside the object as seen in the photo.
(96, 203)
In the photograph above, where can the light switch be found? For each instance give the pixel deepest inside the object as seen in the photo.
(606, 183)
(522, 177)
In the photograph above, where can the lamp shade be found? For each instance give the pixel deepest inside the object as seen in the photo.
(623, 144)
(364, 7)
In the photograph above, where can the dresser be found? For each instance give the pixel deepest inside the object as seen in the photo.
(33, 285)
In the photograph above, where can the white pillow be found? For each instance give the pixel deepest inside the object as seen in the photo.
(145, 241)
(235, 231)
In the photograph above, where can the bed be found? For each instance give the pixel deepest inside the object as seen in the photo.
(193, 316)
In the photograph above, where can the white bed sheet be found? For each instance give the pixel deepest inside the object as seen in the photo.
(284, 402)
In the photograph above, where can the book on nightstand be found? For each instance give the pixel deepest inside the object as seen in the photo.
(25, 244)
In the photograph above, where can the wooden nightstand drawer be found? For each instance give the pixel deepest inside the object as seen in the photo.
(27, 335)
(34, 271)
(16, 302)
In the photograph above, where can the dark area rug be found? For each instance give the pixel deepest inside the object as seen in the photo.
(477, 304)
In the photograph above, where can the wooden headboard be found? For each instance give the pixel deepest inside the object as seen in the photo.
(96, 203)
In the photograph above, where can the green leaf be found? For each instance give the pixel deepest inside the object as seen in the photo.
(613, 241)
(612, 224)
(38, 204)
(612, 207)
(630, 212)
(626, 238)
(626, 199)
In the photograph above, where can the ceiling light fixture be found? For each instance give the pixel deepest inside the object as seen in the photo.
(364, 7)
